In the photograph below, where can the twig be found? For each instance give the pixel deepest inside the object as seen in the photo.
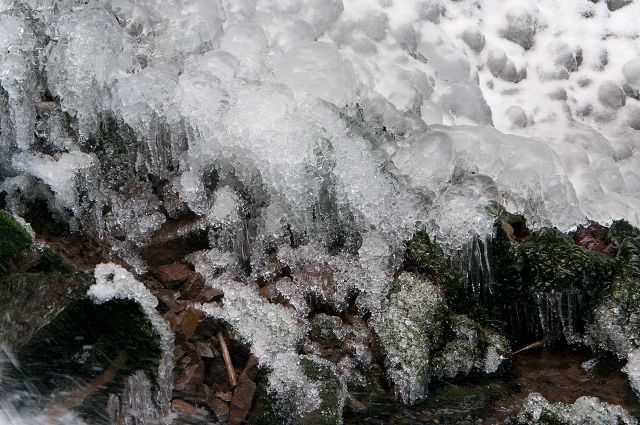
(530, 346)
(227, 360)
(57, 411)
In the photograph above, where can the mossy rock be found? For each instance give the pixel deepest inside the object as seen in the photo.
(272, 409)
(327, 331)
(554, 263)
(410, 329)
(619, 231)
(616, 325)
(427, 258)
(331, 391)
(471, 350)
(14, 240)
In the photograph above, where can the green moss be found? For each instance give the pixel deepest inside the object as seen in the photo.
(14, 239)
(427, 258)
(332, 393)
(326, 330)
(619, 231)
(50, 261)
(465, 399)
(552, 262)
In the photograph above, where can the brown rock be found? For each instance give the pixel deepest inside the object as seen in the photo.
(192, 287)
(270, 293)
(191, 377)
(172, 275)
(204, 350)
(183, 407)
(219, 407)
(224, 395)
(208, 295)
(251, 368)
(241, 400)
(188, 321)
(167, 299)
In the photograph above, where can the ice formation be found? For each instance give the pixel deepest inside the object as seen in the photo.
(114, 282)
(330, 129)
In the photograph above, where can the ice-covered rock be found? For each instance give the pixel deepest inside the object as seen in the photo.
(586, 410)
(409, 329)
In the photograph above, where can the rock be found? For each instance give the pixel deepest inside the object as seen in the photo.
(409, 328)
(209, 295)
(183, 407)
(631, 72)
(473, 350)
(220, 409)
(172, 275)
(193, 286)
(332, 393)
(616, 323)
(593, 237)
(191, 377)
(241, 400)
(455, 402)
(517, 117)
(536, 410)
(188, 321)
(327, 330)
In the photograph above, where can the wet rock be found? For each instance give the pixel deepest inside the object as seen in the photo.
(453, 403)
(409, 330)
(593, 237)
(208, 295)
(332, 393)
(327, 331)
(472, 350)
(536, 410)
(172, 275)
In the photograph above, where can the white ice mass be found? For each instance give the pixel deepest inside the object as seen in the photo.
(338, 123)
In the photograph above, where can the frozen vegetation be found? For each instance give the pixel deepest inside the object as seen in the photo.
(310, 140)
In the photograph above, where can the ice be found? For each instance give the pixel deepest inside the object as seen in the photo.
(585, 410)
(318, 69)
(325, 131)
(632, 369)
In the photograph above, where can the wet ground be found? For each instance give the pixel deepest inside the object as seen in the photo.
(558, 374)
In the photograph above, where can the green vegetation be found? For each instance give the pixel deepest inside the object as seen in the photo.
(14, 240)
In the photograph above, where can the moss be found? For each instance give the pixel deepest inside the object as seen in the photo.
(619, 231)
(326, 330)
(427, 258)
(14, 239)
(50, 261)
(332, 393)
(463, 399)
(552, 262)
(410, 330)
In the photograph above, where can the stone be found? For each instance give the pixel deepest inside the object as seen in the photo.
(183, 407)
(208, 295)
(172, 275)
(409, 329)
(188, 321)
(191, 377)
(241, 400)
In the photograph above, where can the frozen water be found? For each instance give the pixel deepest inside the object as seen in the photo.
(327, 129)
